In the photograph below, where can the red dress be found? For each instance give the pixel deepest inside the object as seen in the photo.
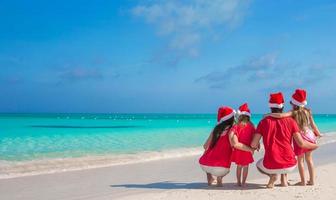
(244, 134)
(277, 134)
(220, 154)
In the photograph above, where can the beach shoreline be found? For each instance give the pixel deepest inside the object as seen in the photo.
(172, 178)
(58, 165)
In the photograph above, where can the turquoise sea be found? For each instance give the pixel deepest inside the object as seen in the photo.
(29, 137)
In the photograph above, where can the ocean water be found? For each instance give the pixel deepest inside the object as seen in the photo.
(104, 138)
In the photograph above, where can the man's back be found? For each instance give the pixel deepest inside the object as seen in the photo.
(277, 136)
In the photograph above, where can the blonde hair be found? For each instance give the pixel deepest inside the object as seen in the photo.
(301, 116)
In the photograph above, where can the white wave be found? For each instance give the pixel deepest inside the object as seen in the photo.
(11, 169)
(327, 138)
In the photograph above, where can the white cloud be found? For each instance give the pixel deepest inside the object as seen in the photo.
(258, 68)
(269, 73)
(187, 23)
(263, 62)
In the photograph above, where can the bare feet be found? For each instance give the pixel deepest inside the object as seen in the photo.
(239, 184)
(219, 182)
(284, 181)
(271, 181)
(210, 180)
(212, 183)
(243, 185)
(310, 182)
(284, 184)
(300, 183)
(219, 185)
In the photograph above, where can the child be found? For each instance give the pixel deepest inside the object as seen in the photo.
(309, 132)
(243, 132)
(216, 160)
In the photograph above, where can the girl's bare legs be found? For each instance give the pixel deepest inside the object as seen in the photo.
(239, 170)
(245, 173)
(284, 180)
(310, 164)
(301, 170)
(210, 179)
(219, 181)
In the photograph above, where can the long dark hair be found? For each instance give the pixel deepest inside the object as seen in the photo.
(218, 130)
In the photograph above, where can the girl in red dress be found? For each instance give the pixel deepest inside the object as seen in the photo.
(243, 132)
(216, 160)
(308, 131)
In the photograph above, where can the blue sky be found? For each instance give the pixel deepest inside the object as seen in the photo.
(187, 56)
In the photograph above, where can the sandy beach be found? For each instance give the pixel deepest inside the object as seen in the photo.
(176, 178)
(148, 99)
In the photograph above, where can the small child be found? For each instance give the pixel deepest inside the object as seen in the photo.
(216, 159)
(309, 132)
(243, 132)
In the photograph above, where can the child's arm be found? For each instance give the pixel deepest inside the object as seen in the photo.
(255, 144)
(207, 143)
(236, 144)
(279, 115)
(313, 125)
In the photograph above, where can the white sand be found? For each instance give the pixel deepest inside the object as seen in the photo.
(324, 189)
(166, 179)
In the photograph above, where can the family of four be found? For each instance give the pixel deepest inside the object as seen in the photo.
(285, 136)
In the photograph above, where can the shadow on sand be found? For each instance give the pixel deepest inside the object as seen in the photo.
(167, 185)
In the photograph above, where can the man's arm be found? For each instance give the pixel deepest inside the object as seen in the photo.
(303, 143)
(279, 115)
(256, 141)
(238, 145)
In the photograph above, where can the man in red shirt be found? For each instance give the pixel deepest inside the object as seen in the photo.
(278, 134)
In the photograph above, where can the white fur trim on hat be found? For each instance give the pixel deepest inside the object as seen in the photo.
(260, 165)
(275, 105)
(227, 117)
(244, 113)
(297, 103)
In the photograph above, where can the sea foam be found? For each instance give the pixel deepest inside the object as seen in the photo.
(11, 169)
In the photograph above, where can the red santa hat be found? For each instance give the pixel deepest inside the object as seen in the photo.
(299, 98)
(244, 110)
(224, 113)
(276, 100)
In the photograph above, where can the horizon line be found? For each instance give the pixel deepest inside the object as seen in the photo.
(125, 113)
